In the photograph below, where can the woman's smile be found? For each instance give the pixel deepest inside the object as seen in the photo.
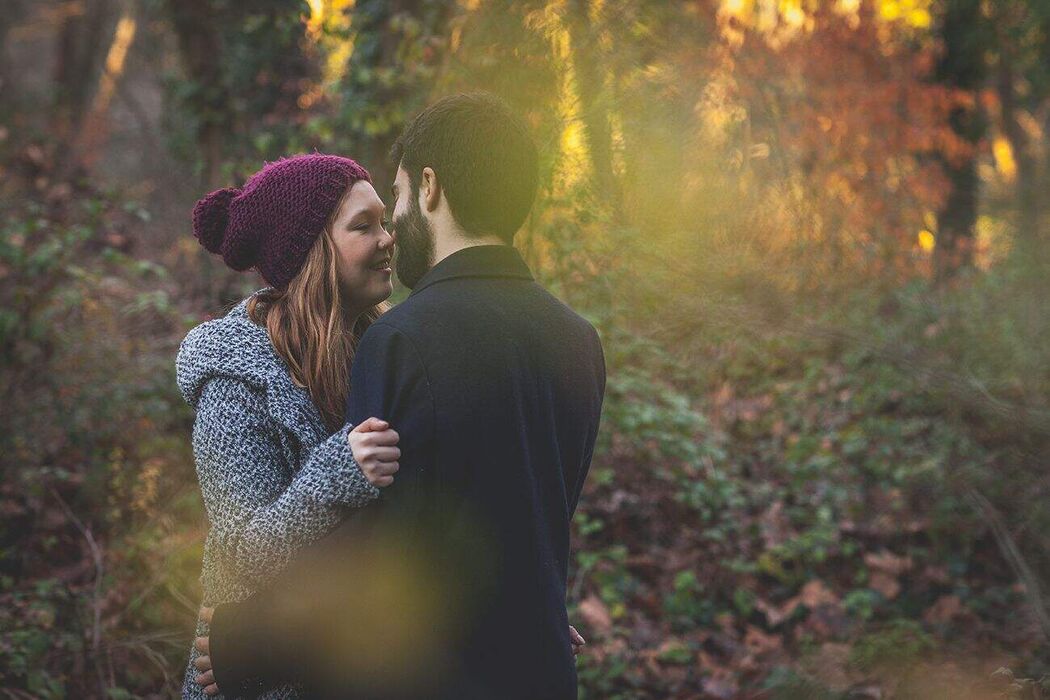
(383, 265)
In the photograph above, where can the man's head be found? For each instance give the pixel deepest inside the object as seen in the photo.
(468, 171)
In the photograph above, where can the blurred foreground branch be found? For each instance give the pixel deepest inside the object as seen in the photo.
(1012, 553)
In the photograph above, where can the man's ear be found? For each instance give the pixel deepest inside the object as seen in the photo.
(430, 189)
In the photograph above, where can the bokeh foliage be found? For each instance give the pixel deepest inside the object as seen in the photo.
(810, 236)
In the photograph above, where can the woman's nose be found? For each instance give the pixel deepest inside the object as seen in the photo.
(387, 240)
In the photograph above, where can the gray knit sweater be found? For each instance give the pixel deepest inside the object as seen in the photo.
(272, 478)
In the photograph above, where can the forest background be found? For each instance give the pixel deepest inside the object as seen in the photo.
(813, 235)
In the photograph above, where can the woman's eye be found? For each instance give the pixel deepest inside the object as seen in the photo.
(365, 225)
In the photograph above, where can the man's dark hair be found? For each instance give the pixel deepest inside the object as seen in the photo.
(484, 158)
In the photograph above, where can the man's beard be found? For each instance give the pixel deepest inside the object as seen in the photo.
(415, 245)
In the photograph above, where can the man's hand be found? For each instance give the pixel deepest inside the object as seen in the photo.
(206, 677)
(575, 640)
(374, 445)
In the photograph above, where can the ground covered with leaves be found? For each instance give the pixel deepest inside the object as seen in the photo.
(816, 533)
(806, 506)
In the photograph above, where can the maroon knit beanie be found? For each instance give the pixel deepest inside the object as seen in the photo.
(271, 223)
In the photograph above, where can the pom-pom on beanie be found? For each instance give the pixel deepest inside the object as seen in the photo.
(271, 223)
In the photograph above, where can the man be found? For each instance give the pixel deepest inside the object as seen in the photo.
(453, 585)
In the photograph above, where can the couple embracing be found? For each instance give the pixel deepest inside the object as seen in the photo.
(389, 490)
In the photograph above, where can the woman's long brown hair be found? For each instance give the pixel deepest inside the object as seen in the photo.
(307, 325)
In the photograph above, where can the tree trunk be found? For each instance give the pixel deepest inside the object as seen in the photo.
(196, 29)
(9, 92)
(594, 104)
(1027, 174)
(961, 67)
(81, 46)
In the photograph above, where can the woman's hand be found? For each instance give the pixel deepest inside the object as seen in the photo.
(206, 677)
(374, 444)
(576, 641)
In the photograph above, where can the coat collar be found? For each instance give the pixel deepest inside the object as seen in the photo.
(477, 261)
(235, 346)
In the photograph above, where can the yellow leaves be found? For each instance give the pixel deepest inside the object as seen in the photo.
(328, 24)
(572, 160)
(926, 238)
(316, 12)
(792, 13)
(145, 491)
(920, 19)
(994, 241)
(783, 18)
(572, 137)
(326, 15)
(927, 241)
(847, 7)
(338, 60)
(1005, 164)
(914, 13)
(780, 22)
(738, 8)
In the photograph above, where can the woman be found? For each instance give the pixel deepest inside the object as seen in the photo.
(269, 381)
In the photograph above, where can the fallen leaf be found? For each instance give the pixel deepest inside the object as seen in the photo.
(936, 574)
(722, 688)
(776, 528)
(758, 642)
(674, 652)
(777, 614)
(885, 584)
(888, 562)
(943, 610)
(35, 154)
(815, 593)
(595, 614)
(865, 691)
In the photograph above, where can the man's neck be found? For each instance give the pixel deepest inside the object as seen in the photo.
(445, 246)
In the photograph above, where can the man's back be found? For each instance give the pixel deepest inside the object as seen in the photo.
(494, 464)
(452, 585)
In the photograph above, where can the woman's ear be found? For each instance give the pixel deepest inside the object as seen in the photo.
(430, 189)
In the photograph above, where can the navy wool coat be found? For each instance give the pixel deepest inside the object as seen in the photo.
(453, 584)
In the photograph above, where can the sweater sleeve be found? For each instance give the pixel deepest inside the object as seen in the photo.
(283, 632)
(260, 514)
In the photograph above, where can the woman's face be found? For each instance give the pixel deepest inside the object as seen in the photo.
(363, 247)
